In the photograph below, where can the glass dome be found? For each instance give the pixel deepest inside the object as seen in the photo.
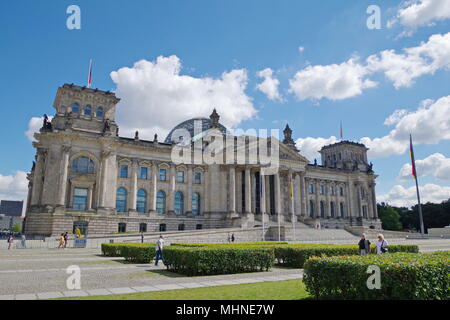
(189, 126)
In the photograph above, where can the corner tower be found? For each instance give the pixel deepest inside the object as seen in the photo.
(85, 109)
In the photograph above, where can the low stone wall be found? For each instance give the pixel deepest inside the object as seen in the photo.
(372, 233)
(439, 232)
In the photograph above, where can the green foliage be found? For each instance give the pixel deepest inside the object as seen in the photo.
(435, 215)
(238, 244)
(132, 252)
(403, 276)
(211, 260)
(17, 227)
(295, 255)
(390, 218)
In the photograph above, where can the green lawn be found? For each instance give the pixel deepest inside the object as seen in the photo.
(280, 290)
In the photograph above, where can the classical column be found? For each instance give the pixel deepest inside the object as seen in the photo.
(328, 206)
(154, 190)
(277, 194)
(248, 194)
(317, 206)
(263, 196)
(38, 178)
(290, 201)
(232, 190)
(133, 189)
(297, 196)
(189, 190)
(303, 195)
(104, 178)
(358, 192)
(65, 150)
(374, 202)
(172, 189)
(267, 193)
(90, 195)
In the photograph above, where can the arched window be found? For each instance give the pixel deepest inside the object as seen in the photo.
(179, 203)
(82, 165)
(341, 209)
(100, 112)
(75, 108)
(88, 110)
(195, 203)
(322, 209)
(121, 200)
(141, 202)
(161, 202)
(332, 209)
(311, 208)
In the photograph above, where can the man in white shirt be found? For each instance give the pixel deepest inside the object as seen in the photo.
(159, 249)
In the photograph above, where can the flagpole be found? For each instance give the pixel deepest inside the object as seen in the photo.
(90, 74)
(422, 229)
(414, 173)
(262, 198)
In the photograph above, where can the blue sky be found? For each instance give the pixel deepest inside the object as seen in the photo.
(39, 53)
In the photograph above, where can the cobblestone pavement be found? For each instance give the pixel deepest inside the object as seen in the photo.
(41, 273)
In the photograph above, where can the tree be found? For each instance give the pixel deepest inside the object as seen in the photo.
(17, 228)
(390, 218)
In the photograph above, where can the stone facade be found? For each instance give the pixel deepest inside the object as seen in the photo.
(86, 175)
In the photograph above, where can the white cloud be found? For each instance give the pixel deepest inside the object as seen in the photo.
(403, 68)
(309, 147)
(429, 124)
(34, 125)
(301, 49)
(418, 13)
(269, 86)
(351, 78)
(334, 82)
(14, 187)
(436, 165)
(156, 97)
(395, 117)
(407, 197)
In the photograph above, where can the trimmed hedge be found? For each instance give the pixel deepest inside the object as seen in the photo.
(212, 260)
(295, 255)
(403, 276)
(232, 244)
(132, 252)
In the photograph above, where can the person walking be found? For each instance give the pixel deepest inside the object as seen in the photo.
(24, 243)
(66, 239)
(159, 250)
(61, 241)
(10, 241)
(364, 245)
(232, 237)
(381, 245)
(142, 237)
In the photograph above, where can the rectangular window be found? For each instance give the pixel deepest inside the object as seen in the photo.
(311, 188)
(341, 191)
(144, 173)
(80, 199)
(123, 172)
(162, 175)
(180, 176)
(197, 178)
(322, 189)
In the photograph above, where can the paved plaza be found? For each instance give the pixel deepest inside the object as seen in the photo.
(42, 273)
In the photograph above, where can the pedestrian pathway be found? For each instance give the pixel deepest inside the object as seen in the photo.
(253, 278)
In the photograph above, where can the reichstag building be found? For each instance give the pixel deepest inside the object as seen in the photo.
(86, 176)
